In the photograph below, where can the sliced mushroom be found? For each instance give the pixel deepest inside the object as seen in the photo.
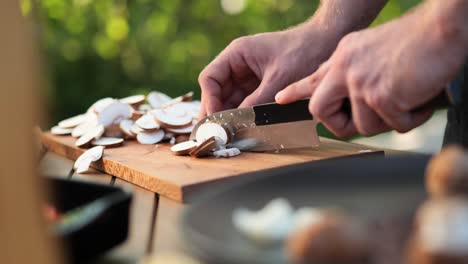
(210, 129)
(94, 133)
(85, 127)
(99, 105)
(157, 99)
(183, 98)
(147, 122)
(192, 108)
(171, 118)
(135, 129)
(114, 113)
(126, 127)
(60, 131)
(152, 137)
(184, 148)
(135, 100)
(73, 121)
(205, 148)
(108, 142)
(136, 114)
(227, 153)
(145, 108)
(182, 130)
(84, 160)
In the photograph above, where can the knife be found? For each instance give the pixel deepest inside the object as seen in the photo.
(267, 126)
(274, 127)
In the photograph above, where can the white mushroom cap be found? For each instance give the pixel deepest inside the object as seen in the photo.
(81, 129)
(99, 105)
(443, 226)
(150, 137)
(126, 127)
(171, 118)
(182, 130)
(108, 141)
(209, 129)
(157, 99)
(133, 100)
(184, 148)
(74, 121)
(56, 130)
(114, 113)
(147, 122)
(84, 160)
(89, 136)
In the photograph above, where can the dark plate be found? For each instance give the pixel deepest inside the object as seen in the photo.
(95, 217)
(374, 188)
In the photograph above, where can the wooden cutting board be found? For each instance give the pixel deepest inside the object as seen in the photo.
(155, 168)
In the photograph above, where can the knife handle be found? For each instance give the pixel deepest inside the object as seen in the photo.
(269, 114)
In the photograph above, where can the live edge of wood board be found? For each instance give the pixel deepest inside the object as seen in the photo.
(157, 169)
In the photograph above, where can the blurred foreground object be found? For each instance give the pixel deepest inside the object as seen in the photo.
(441, 234)
(447, 172)
(23, 235)
(335, 238)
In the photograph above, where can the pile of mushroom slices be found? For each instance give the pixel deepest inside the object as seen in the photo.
(149, 119)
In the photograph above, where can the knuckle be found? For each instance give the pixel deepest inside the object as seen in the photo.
(378, 100)
(356, 80)
(316, 110)
(239, 42)
(345, 50)
(202, 77)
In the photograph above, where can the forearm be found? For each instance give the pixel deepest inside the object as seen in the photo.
(450, 20)
(345, 16)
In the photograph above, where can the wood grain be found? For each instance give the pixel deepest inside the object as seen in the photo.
(155, 168)
(168, 236)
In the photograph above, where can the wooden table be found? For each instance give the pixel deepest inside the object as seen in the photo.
(154, 230)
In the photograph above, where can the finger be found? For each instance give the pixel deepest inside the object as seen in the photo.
(395, 116)
(366, 120)
(238, 95)
(404, 122)
(265, 93)
(303, 88)
(326, 104)
(216, 78)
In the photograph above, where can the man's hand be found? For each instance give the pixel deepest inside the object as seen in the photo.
(252, 69)
(385, 72)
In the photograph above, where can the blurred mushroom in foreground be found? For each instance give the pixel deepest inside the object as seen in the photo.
(335, 238)
(447, 172)
(441, 233)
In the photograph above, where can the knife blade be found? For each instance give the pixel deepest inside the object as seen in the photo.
(267, 126)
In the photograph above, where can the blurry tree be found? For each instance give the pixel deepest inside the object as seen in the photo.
(100, 48)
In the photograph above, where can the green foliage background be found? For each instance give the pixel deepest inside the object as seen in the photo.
(101, 48)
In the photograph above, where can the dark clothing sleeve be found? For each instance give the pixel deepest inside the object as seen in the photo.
(456, 131)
